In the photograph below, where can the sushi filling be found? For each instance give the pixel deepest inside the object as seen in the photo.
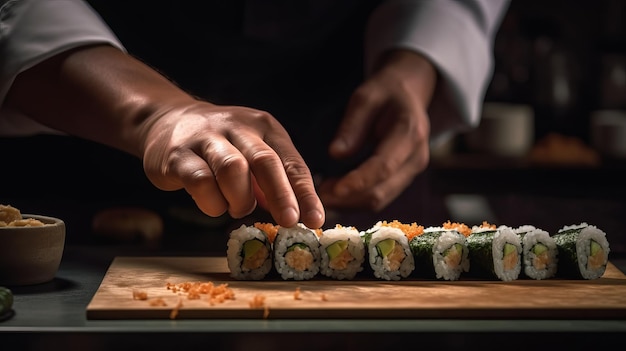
(510, 257)
(540, 259)
(392, 254)
(299, 257)
(339, 255)
(596, 256)
(254, 254)
(453, 255)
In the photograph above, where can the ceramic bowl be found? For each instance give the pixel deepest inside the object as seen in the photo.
(31, 255)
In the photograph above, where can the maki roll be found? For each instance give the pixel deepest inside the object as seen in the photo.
(583, 251)
(342, 252)
(494, 252)
(440, 253)
(388, 251)
(249, 252)
(539, 253)
(297, 253)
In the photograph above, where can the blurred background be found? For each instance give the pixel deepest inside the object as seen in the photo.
(550, 150)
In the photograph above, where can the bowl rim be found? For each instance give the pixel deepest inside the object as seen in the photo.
(47, 220)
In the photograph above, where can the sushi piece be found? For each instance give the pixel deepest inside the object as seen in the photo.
(583, 251)
(342, 252)
(388, 251)
(440, 253)
(297, 253)
(249, 252)
(495, 253)
(539, 253)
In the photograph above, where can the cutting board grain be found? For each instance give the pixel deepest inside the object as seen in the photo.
(603, 298)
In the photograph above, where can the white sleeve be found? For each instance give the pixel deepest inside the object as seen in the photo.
(457, 36)
(32, 31)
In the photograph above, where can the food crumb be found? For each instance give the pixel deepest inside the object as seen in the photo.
(158, 301)
(140, 295)
(323, 297)
(297, 294)
(257, 301)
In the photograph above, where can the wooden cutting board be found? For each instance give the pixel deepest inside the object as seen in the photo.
(603, 298)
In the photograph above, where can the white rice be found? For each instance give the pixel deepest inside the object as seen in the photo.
(583, 248)
(356, 248)
(444, 242)
(380, 265)
(285, 238)
(503, 236)
(234, 255)
(530, 237)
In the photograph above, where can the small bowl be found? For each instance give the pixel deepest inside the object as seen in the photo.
(31, 255)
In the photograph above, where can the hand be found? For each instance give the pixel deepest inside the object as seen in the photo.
(389, 110)
(223, 156)
(226, 157)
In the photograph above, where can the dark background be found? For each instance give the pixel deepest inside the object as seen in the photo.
(541, 44)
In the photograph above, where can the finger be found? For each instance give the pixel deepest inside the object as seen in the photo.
(375, 198)
(284, 179)
(399, 144)
(232, 174)
(196, 177)
(356, 125)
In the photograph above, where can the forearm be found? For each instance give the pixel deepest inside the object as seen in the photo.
(98, 93)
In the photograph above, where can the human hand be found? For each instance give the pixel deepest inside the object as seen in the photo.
(389, 110)
(227, 158)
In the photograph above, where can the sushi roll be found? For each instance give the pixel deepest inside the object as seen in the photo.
(539, 253)
(297, 253)
(495, 253)
(440, 253)
(388, 251)
(249, 252)
(583, 251)
(342, 251)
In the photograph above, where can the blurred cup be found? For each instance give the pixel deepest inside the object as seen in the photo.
(608, 132)
(505, 130)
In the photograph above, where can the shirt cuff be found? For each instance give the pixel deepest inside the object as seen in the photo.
(457, 37)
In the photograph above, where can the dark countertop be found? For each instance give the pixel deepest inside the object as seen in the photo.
(54, 314)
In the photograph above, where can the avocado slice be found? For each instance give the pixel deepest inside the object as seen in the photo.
(595, 247)
(385, 247)
(251, 247)
(509, 249)
(538, 249)
(336, 248)
(458, 247)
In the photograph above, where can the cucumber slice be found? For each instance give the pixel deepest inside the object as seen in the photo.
(458, 247)
(509, 249)
(595, 247)
(300, 245)
(334, 249)
(538, 249)
(385, 247)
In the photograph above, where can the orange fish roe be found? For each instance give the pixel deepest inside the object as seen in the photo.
(195, 290)
(270, 229)
(487, 225)
(410, 230)
(459, 227)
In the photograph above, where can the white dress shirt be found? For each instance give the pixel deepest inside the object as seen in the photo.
(456, 35)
